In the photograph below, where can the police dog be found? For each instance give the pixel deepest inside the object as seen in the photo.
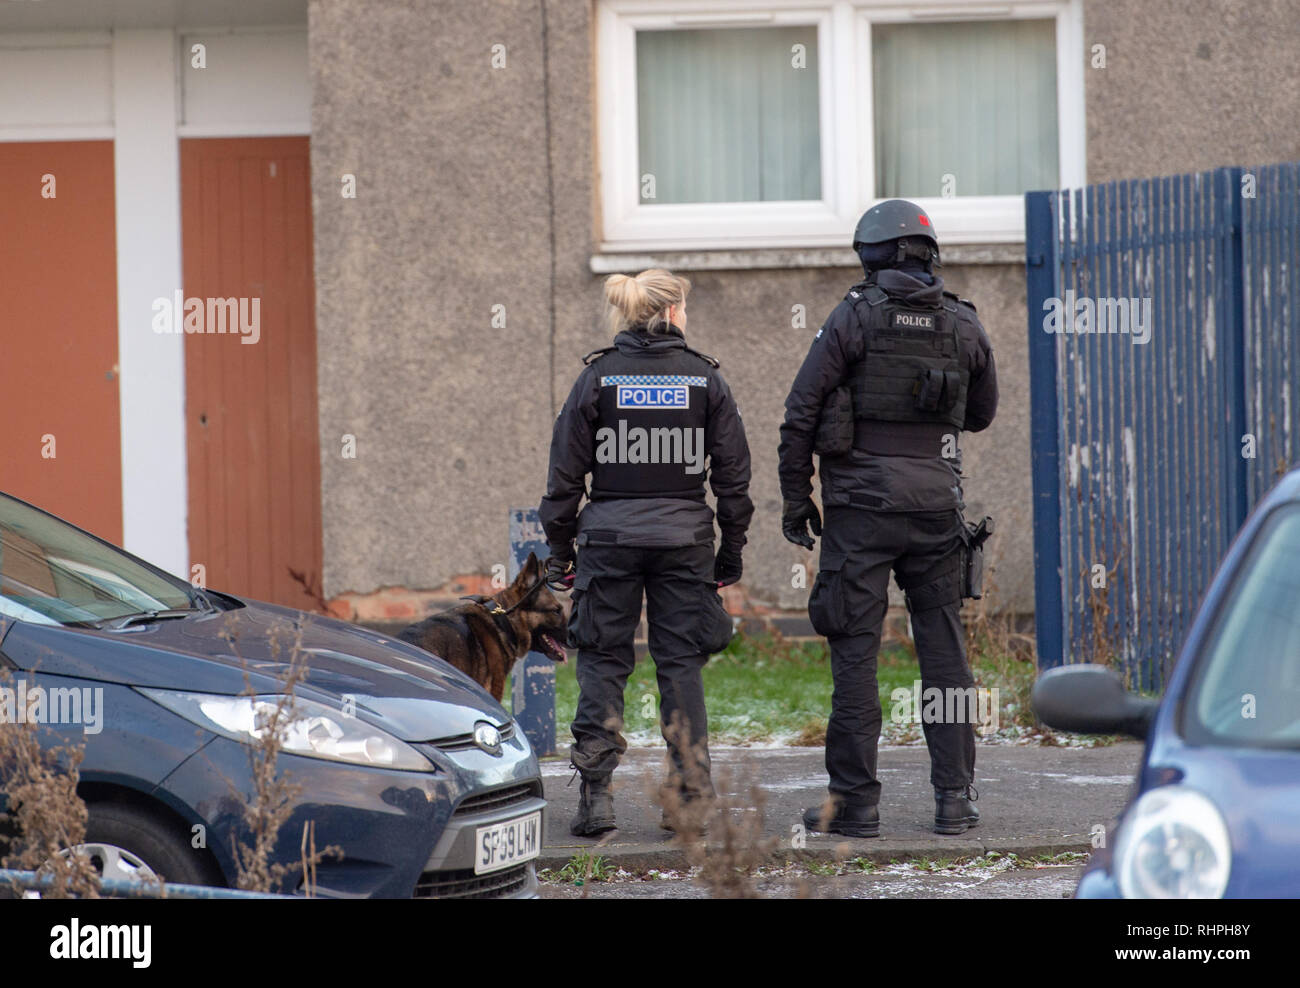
(484, 636)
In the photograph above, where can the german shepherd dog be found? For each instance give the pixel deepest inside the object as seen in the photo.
(484, 636)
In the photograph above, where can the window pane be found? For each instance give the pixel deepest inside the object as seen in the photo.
(973, 100)
(1256, 653)
(727, 115)
(51, 571)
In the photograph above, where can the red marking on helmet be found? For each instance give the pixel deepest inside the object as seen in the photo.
(925, 220)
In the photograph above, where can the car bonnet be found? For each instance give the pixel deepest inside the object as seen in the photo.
(399, 687)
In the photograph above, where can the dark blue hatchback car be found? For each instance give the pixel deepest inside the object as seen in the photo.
(1216, 811)
(408, 766)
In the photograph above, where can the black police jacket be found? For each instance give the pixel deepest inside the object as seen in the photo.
(641, 419)
(894, 466)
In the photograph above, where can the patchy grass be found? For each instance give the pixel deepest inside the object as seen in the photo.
(580, 869)
(1065, 859)
(769, 689)
(760, 689)
(974, 867)
(993, 861)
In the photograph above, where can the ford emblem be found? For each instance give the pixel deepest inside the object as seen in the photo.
(487, 737)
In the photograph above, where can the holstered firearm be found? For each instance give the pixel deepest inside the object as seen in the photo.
(972, 572)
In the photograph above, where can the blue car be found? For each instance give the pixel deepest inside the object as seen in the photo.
(410, 768)
(1216, 810)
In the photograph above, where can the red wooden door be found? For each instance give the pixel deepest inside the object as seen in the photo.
(60, 423)
(251, 411)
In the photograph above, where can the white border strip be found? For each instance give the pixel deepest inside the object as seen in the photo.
(297, 128)
(70, 132)
(146, 158)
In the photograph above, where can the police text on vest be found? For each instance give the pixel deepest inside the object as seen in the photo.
(654, 396)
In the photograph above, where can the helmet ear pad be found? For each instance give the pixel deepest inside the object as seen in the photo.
(921, 248)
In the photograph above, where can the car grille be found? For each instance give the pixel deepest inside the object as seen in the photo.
(498, 799)
(464, 742)
(464, 884)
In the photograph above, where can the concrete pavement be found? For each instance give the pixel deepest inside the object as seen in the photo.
(1034, 800)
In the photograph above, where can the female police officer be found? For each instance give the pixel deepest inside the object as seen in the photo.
(641, 419)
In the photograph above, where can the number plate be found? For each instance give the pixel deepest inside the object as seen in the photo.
(504, 844)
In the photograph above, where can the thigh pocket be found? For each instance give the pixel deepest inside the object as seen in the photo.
(713, 625)
(826, 605)
(941, 586)
(583, 628)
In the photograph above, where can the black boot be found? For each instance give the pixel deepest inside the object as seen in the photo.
(595, 808)
(954, 810)
(849, 819)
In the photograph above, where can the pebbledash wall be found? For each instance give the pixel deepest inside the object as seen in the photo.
(456, 291)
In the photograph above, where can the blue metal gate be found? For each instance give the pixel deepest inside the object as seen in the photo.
(1164, 357)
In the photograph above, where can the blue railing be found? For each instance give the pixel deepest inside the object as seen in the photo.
(117, 888)
(1156, 429)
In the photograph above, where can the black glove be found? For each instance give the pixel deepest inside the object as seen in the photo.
(795, 518)
(560, 567)
(727, 567)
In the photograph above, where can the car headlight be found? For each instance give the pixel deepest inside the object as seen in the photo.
(310, 728)
(1173, 845)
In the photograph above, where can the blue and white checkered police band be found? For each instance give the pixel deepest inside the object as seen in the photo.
(653, 390)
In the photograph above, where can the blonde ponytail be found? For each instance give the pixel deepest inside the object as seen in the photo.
(643, 301)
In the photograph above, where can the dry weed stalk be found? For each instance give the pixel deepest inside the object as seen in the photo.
(270, 805)
(311, 588)
(721, 834)
(999, 653)
(45, 814)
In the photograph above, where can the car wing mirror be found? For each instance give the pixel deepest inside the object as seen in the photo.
(1091, 699)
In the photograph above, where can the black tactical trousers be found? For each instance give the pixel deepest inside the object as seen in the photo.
(686, 624)
(848, 604)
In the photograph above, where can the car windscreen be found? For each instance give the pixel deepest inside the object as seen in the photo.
(53, 573)
(1246, 689)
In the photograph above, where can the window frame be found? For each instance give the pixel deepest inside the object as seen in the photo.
(847, 130)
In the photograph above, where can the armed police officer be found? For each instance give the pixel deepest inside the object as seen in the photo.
(897, 371)
(642, 418)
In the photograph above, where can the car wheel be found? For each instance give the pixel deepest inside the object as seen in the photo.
(130, 844)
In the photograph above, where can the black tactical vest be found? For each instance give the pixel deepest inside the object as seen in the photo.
(650, 425)
(913, 371)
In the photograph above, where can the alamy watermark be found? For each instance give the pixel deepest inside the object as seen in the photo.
(102, 941)
(946, 705)
(57, 705)
(1081, 315)
(652, 445)
(234, 316)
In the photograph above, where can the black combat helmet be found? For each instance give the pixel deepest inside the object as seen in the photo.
(895, 219)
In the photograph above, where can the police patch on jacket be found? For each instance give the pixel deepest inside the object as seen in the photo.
(653, 390)
(907, 319)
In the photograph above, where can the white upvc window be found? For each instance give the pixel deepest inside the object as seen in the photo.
(726, 124)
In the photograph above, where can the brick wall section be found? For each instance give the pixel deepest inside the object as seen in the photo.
(400, 605)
